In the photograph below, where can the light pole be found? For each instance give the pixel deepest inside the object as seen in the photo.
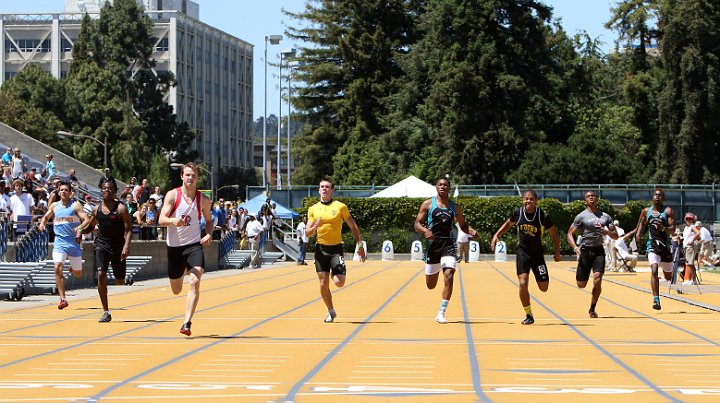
(63, 134)
(287, 53)
(274, 40)
(291, 65)
(209, 172)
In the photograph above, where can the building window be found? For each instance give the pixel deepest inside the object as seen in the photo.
(65, 45)
(163, 45)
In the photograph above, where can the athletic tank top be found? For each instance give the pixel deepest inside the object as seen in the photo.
(64, 224)
(111, 228)
(656, 223)
(190, 232)
(17, 168)
(440, 220)
(531, 228)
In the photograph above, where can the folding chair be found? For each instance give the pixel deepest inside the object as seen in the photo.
(21, 225)
(627, 260)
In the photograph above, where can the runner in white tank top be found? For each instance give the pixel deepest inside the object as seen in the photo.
(181, 212)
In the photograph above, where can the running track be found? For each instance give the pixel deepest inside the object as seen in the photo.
(258, 336)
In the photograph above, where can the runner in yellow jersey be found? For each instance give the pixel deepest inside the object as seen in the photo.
(326, 219)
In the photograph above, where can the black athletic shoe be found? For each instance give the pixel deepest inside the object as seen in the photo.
(529, 320)
(592, 314)
(656, 305)
(105, 318)
(185, 329)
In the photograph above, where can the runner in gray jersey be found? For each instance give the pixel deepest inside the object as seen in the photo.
(593, 225)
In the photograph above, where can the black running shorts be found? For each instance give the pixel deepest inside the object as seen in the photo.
(536, 262)
(437, 248)
(330, 258)
(104, 258)
(182, 258)
(590, 259)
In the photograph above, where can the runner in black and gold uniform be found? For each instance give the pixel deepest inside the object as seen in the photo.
(532, 223)
(435, 222)
(326, 218)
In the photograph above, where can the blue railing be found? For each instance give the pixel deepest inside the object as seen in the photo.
(4, 228)
(33, 246)
(227, 244)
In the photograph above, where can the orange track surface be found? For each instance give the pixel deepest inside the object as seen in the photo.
(258, 336)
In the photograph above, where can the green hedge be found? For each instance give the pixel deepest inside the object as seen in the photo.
(391, 219)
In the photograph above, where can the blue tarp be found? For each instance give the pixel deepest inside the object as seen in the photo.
(254, 205)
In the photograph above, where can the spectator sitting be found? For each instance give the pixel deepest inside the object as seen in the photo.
(131, 204)
(41, 202)
(72, 178)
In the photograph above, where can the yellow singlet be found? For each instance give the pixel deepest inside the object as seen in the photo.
(331, 220)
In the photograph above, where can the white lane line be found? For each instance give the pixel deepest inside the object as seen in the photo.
(243, 365)
(402, 358)
(558, 379)
(391, 372)
(102, 359)
(394, 366)
(232, 370)
(213, 376)
(40, 374)
(390, 377)
(256, 356)
(118, 354)
(73, 369)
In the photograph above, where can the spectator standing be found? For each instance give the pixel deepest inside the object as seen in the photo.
(302, 240)
(254, 233)
(72, 177)
(158, 197)
(107, 178)
(21, 203)
(463, 244)
(143, 193)
(7, 157)
(18, 166)
(4, 198)
(131, 204)
(232, 220)
(152, 213)
(691, 243)
(50, 165)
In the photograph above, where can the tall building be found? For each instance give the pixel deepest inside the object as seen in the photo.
(213, 69)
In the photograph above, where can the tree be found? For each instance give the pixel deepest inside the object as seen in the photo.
(349, 67)
(33, 102)
(688, 147)
(489, 77)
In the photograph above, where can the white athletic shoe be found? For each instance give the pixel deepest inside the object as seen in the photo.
(440, 318)
(688, 282)
(330, 318)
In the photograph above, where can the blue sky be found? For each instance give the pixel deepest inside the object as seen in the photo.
(251, 20)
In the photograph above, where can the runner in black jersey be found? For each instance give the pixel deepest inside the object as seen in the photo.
(113, 241)
(660, 222)
(532, 222)
(435, 222)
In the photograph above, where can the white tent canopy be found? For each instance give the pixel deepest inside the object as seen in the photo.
(408, 187)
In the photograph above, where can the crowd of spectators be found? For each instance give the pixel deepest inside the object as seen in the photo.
(26, 194)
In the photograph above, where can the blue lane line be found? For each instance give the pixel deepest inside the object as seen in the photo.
(474, 365)
(109, 389)
(66, 348)
(127, 306)
(294, 390)
(599, 347)
(676, 327)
